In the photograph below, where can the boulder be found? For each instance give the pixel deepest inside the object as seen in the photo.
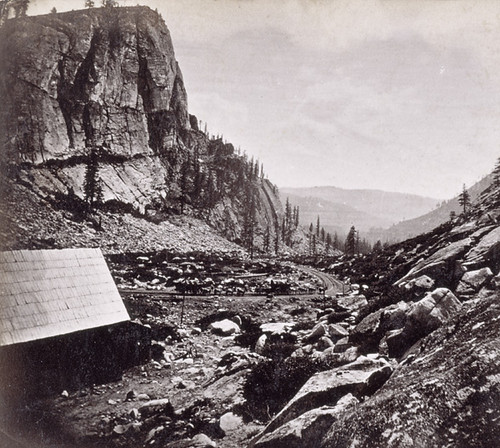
(332, 357)
(440, 264)
(434, 309)
(342, 345)
(224, 327)
(422, 283)
(352, 302)
(198, 441)
(486, 251)
(447, 396)
(324, 343)
(317, 332)
(367, 333)
(260, 344)
(472, 281)
(336, 331)
(423, 317)
(161, 406)
(277, 328)
(230, 422)
(359, 378)
(307, 429)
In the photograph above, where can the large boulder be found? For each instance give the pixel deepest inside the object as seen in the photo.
(440, 265)
(447, 395)
(485, 252)
(361, 377)
(307, 429)
(352, 302)
(422, 283)
(224, 327)
(277, 328)
(424, 317)
(368, 333)
(432, 311)
(472, 281)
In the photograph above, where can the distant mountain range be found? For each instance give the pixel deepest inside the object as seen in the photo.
(340, 208)
(383, 215)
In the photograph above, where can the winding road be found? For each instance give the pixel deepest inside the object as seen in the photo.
(331, 283)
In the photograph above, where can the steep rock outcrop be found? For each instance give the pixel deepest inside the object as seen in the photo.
(105, 81)
(448, 394)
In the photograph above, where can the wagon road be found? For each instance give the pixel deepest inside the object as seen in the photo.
(331, 283)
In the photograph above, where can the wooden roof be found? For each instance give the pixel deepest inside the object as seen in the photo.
(46, 293)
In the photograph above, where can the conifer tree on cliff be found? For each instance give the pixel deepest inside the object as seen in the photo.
(92, 188)
(496, 174)
(464, 200)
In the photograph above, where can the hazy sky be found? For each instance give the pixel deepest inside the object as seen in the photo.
(394, 95)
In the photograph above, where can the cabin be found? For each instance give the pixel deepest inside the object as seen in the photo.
(63, 324)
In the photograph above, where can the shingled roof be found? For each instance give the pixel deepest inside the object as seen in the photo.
(46, 293)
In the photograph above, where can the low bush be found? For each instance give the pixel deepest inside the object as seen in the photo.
(271, 384)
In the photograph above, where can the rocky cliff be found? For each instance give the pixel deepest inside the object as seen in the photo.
(103, 86)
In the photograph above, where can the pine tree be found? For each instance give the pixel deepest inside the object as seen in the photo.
(267, 239)
(276, 237)
(317, 227)
(328, 243)
(496, 174)
(336, 244)
(464, 200)
(109, 3)
(453, 215)
(249, 220)
(350, 242)
(377, 247)
(322, 235)
(92, 187)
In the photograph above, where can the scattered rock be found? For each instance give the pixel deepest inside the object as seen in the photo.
(131, 395)
(422, 283)
(336, 331)
(448, 395)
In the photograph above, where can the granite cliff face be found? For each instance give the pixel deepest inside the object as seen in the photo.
(107, 80)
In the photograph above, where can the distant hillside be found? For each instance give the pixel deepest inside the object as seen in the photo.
(334, 217)
(339, 209)
(429, 221)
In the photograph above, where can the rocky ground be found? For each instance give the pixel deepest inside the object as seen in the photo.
(291, 371)
(25, 223)
(194, 385)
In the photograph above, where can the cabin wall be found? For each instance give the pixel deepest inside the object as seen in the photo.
(73, 361)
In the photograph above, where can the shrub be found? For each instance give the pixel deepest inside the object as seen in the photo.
(271, 384)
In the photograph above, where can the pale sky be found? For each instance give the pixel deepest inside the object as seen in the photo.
(393, 95)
